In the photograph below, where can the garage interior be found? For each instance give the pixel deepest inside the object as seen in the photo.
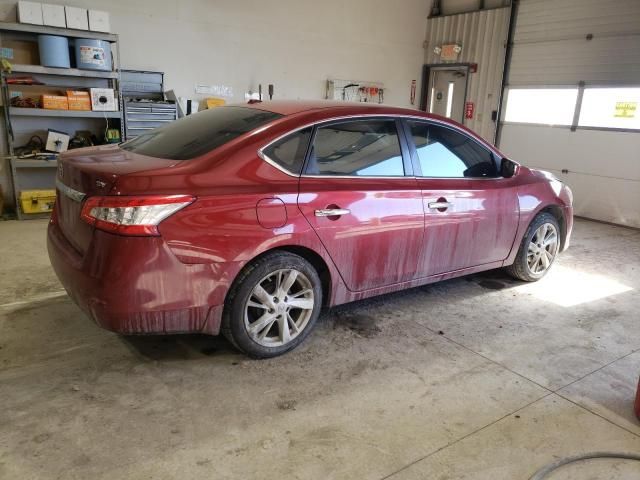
(479, 377)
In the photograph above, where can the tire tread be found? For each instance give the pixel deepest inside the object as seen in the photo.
(518, 268)
(226, 327)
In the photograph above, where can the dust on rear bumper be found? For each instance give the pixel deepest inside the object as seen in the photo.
(135, 285)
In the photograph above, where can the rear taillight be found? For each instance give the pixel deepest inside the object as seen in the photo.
(132, 215)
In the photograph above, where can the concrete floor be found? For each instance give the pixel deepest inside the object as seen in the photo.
(474, 378)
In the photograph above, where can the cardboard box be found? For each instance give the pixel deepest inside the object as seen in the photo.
(55, 102)
(53, 15)
(76, 18)
(21, 52)
(99, 21)
(30, 12)
(78, 100)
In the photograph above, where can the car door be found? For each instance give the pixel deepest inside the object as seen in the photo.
(471, 213)
(359, 194)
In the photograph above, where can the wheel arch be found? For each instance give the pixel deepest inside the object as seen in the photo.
(558, 214)
(310, 256)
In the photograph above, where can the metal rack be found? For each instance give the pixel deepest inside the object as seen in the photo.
(22, 123)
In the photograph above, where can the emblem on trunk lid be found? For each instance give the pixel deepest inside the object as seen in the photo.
(100, 184)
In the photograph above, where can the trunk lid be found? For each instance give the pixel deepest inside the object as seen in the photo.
(92, 171)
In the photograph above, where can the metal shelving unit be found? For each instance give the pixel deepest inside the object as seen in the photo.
(41, 112)
(65, 32)
(22, 123)
(65, 72)
(24, 163)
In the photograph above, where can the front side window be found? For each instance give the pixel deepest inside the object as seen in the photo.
(362, 148)
(199, 133)
(445, 153)
(289, 151)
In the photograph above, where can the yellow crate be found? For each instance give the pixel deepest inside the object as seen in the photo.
(37, 201)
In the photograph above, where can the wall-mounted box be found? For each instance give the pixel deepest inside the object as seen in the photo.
(99, 21)
(30, 12)
(76, 18)
(53, 15)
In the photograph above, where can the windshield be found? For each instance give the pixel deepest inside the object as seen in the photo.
(199, 133)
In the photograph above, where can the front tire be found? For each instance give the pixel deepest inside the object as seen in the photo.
(273, 305)
(538, 249)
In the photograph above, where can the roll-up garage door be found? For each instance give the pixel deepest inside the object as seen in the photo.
(572, 104)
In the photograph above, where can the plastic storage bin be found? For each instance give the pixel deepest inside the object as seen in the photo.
(93, 54)
(54, 51)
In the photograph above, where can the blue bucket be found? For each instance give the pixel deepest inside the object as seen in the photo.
(93, 54)
(54, 51)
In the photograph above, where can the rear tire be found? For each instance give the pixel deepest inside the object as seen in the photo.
(538, 249)
(273, 305)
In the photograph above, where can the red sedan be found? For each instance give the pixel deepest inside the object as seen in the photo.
(246, 220)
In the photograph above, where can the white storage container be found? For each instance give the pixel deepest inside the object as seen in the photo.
(30, 12)
(53, 15)
(99, 21)
(76, 18)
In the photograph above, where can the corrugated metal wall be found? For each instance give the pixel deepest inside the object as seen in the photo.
(551, 48)
(483, 36)
(450, 7)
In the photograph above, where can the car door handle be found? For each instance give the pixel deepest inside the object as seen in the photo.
(439, 205)
(332, 212)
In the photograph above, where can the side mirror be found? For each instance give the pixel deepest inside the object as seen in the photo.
(508, 168)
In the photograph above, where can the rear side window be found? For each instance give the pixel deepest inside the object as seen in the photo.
(357, 148)
(445, 153)
(200, 133)
(289, 152)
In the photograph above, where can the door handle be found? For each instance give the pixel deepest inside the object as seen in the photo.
(440, 205)
(332, 212)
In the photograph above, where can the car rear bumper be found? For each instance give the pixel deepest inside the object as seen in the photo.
(136, 285)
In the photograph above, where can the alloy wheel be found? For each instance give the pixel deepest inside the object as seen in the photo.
(279, 308)
(543, 248)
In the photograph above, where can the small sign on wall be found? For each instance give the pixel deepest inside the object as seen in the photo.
(626, 109)
(469, 108)
(449, 52)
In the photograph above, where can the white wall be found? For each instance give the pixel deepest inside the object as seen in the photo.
(294, 44)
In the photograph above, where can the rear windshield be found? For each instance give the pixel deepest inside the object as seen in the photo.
(200, 133)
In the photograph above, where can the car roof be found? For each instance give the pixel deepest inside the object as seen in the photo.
(292, 107)
(332, 108)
